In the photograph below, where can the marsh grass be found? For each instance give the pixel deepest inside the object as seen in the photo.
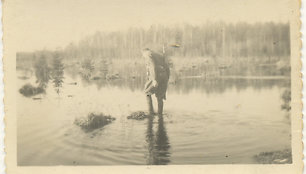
(139, 115)
(28, 90)
(93, 121)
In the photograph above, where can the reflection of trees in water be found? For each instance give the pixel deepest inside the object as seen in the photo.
(132, 84)
(158, 144)
(57, 74)
(187, 85)
(221, 85)
(286, 98)
(42, 72)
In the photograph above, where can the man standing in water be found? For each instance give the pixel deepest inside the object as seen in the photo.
(158, 74)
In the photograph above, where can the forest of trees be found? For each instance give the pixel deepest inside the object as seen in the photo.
(208, 40)
(241, 48)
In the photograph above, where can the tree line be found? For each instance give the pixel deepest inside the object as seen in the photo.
(208, 40)
(266, 42)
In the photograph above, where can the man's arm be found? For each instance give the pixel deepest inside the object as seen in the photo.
(152, 70)
(167, 67)
(151, 67)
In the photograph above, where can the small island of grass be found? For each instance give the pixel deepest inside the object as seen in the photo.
(93, 121)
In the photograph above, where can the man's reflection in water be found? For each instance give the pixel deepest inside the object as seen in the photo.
(158, 144)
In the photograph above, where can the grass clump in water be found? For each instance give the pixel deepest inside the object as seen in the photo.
(28, 90)
(139, 115)
(93, 121)
(275, 157)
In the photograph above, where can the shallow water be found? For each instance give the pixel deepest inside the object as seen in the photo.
(220, 122)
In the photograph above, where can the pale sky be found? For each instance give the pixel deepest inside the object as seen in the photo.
(55, 23)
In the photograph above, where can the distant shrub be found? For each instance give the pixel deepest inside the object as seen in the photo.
(87, 68)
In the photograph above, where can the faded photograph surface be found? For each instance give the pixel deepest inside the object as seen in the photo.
(153, 82)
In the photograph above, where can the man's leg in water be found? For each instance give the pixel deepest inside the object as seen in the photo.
(160, 103)
(150, 105)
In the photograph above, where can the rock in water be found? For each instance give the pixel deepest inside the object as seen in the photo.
(93, 121)
(139, 115)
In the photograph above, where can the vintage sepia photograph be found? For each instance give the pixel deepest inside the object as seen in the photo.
(159, 82)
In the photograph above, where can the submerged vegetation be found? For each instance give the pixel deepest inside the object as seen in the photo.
(275, 157)
(140, 115)
(93, 121)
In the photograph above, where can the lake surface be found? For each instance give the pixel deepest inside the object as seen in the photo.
(204, 122)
